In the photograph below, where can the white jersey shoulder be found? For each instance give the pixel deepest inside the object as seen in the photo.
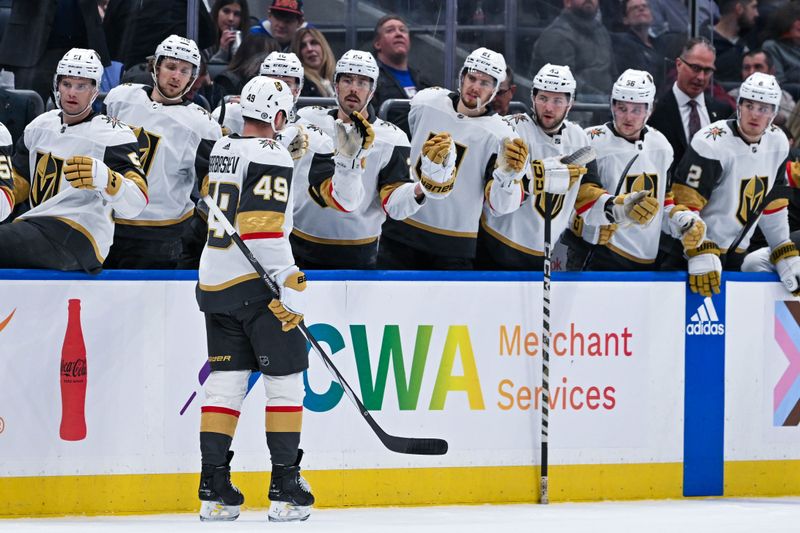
(389, 133)
(318, 141)
(5, 135)
(261, 151)
(431, 96)
(233, 120)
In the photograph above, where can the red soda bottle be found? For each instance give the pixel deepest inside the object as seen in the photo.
(73, 377)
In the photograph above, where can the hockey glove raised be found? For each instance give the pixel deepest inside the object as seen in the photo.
(552, 176)
(292, 283)
(705, 269)
(787, 263)
(88, 173)
(631, 208)
(299, 145)
(512, 160)
(438, 166)
(687, 226)
(353, 140)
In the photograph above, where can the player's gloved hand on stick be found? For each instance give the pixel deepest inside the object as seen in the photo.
(88, 173)
(786, 259)
(631, 208)
(552, 176)
(687, 226)
(705, 269)
(353, 140)
(288, 309)
(512, 161)
(437, 166)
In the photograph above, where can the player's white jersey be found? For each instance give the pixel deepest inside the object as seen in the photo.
(637, 243)
(233, 119)
(47, 144)
(450, 226)
(174, 144)
(386, 166)
(726, 178)
(318, 156)
(250, 179)
(523, 230)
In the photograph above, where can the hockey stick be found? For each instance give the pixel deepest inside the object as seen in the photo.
(408, 445)
(582, 156)
(618, 189)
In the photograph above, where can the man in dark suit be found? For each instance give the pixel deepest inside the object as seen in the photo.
(38, 34)
(682, 111)
(16, 112)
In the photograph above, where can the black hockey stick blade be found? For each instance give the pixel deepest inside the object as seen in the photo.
(624, 173)
(581, 157)
(407, 445)
(752, 216)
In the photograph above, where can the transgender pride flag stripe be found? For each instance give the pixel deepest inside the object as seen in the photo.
(786, 396)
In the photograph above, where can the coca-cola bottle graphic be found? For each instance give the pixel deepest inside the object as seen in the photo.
(73, 377)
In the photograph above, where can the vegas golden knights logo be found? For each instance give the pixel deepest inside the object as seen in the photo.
(46, 178)
(556, 204)
(752, 192)
(461, 151)
(148, 144)
(642, 182)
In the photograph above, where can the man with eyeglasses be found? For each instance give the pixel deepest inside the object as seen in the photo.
(515, 241)
(175, 139)
(74, 169)
(686, 109)
(726, 175)
(504, 94)
(462, 155)
(338, 219)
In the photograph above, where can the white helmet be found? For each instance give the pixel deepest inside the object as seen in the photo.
(177, 48)
(635, 86)
(264, 97)
(761, 88)
(555, 79)
(489, 62)
(360, 63)
(81, 63)
(283, 64)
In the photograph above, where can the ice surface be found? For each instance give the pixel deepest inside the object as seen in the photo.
(772, 515)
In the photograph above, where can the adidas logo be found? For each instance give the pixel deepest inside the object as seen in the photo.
(705, 320)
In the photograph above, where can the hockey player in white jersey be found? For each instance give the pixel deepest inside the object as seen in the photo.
(74, 169)
(338, 223)
(626, 197)
(515, 241)
(631, 247)
(175, 137)
(487, 161)
(726, 174)
(6, 173)
(251, 181)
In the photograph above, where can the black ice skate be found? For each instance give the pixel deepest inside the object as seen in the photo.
(290, 494)
(221, 500)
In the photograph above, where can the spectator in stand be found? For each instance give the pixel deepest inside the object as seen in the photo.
(673, 15)
(736, 17)
(283, 20)
(245, 63)
(16, 112)
(760, 61)
(391, 44)
(229, 16)
(504, 94)
(635, 48)
(783, 45)
(578, 40)
(38, 35)
(685, 109)
(318, 62)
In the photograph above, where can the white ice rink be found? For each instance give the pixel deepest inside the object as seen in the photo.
(763, 515)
